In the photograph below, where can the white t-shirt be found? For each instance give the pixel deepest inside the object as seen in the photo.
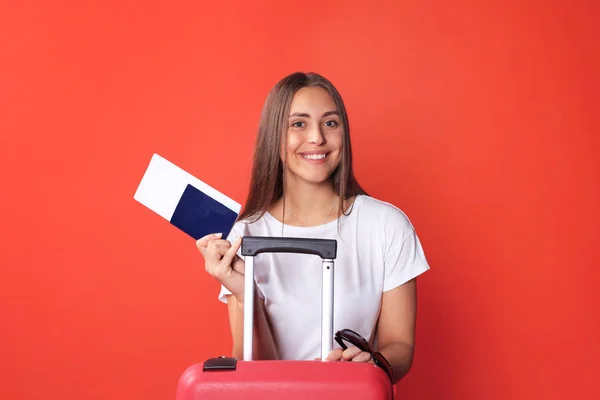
(377, 250)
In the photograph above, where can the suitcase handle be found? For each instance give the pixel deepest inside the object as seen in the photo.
(254, 245)
(324, 248)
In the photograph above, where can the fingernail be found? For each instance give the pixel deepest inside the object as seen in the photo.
(218, 235)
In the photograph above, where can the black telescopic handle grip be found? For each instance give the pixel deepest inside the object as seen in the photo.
(324, 248)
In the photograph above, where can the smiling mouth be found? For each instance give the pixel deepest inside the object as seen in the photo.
(315, 156)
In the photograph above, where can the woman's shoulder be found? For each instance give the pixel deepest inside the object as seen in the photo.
(256, 221)
(242, 225)
(383, 213)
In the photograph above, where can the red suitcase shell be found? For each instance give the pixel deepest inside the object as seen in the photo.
(286, 380)
(229, 378)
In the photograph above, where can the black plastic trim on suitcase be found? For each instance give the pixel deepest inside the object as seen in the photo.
(253, 245)
(220, 364)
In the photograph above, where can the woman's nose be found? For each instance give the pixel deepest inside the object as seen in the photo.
(316, 136)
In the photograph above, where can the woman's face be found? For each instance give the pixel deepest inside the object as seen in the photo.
(314, 136)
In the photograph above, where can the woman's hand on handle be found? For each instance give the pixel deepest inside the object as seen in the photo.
(352, 353)
(222, 262)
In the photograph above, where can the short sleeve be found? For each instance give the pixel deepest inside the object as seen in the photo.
(404, 261)
(238, 229)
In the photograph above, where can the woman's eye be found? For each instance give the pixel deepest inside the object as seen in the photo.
(331, 124)
(298, 124)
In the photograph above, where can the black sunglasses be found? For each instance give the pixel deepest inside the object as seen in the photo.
(348, 335)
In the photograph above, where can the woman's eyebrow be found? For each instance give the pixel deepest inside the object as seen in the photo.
(306, 115)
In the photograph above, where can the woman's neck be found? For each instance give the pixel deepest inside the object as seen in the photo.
(307, 204)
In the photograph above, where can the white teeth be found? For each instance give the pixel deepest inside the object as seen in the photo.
(315, 156)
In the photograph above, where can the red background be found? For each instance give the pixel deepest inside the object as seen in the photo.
(478, 119)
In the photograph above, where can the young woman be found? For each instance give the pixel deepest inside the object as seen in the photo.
(303, 186)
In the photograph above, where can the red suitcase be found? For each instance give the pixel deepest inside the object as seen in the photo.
(229, 378)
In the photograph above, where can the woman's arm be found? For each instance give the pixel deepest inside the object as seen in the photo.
(264, 346)
(395, 331)
(223, 263)
(396, 327)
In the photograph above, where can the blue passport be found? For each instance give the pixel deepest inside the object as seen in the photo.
(185, 201)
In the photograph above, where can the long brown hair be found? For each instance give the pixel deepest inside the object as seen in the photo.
(267, 180)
